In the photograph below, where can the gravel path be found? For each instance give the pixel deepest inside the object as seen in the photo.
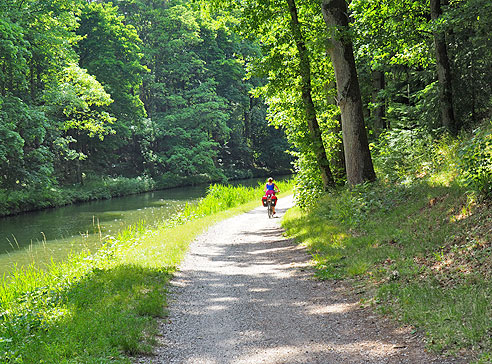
(245, 295)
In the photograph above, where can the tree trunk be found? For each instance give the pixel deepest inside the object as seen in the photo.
(356, 147)
(312, 121)
(379, 111)
(338, 160)
(443, 73)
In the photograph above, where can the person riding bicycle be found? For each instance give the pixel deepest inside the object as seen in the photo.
(270, 189)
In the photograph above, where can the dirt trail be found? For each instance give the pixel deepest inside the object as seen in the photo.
(245, 295)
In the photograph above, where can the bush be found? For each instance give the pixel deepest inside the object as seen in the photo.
(308, 183)
(476, 161)
(402, 153)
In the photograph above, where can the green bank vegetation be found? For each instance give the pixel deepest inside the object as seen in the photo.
(102, 307)
(12, 202)
(417, 244)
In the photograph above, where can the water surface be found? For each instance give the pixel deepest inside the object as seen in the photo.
(36, 237)
(41, 236)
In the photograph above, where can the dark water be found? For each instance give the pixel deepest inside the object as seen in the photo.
(40, 236)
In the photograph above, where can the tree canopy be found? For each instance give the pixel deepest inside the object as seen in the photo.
(130, 88)
(196, 91)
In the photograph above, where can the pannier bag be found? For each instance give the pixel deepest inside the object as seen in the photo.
(264, 200)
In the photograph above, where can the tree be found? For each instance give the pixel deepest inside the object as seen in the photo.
(443, 72)
(35, 45)
(111, 51)
(76, 102)
(195, 95)
(309, 109)
(469, 48)
(357, 155)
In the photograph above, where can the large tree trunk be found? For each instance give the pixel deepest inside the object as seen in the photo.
(305, 71)
(443, 73)
(379, 111)
(356, 147)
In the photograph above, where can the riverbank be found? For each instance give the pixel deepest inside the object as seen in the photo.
(420, 252)
(26, 200)
(14, 202)
(101, 307)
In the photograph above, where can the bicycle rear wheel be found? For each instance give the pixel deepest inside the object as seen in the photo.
(270, 209)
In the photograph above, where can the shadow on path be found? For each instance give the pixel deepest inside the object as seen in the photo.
(245, 294)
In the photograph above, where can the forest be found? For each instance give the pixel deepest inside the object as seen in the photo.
(141, 94)
(154, 94)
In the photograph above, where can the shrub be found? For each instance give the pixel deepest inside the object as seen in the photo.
(308, 184)
(476, 161)
(401, 153)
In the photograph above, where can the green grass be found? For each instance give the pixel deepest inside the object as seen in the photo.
(422, 251)
(101, 307)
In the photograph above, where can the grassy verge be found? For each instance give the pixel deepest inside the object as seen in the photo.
(101, 308)
(421, 253)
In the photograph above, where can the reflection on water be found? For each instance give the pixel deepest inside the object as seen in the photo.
(38, 236)
(54, 233)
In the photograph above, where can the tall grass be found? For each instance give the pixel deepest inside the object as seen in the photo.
(101, 307)
(222, 197)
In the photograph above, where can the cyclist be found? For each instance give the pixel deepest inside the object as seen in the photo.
(270, 189)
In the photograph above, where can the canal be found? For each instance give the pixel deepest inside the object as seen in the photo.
(41, 236)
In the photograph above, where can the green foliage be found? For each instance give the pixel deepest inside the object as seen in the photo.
(126, 88)
(280, 66)
(410, 155)
(401, 154)
(202, 122)
(308, 185)
(24, 157)
(12, 202)
(111, 51)
(470, 48)
(476, 161)
(393, 32)
(76, 101)
(396, 38)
